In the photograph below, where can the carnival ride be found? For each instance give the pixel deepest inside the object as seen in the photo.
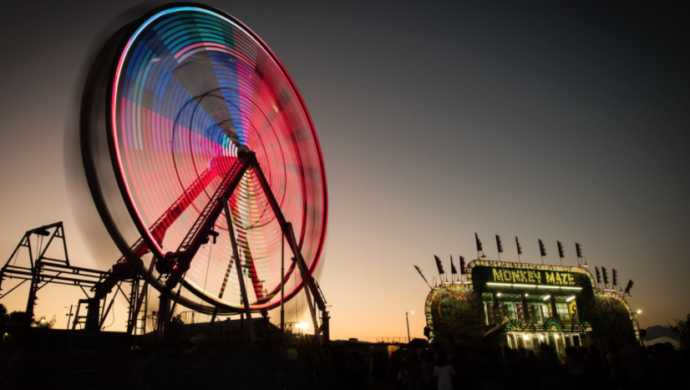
(217, 163)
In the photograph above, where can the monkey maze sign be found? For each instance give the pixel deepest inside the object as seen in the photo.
(543, 277)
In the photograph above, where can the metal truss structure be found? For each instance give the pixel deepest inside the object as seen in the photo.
(42, 269)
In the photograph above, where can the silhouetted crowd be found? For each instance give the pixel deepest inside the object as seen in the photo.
(360, 366)
(446, 367)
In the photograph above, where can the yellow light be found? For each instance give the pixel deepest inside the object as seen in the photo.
(556, 337)
(524, 336)
(498, 295)
(541, 337)
(639, 311)
(547, 297)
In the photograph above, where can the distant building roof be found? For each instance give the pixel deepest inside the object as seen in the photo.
(663, 340)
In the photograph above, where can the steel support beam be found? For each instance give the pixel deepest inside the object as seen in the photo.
(289, 234)
(238, 267)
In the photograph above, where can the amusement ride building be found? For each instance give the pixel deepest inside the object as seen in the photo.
(525, 305)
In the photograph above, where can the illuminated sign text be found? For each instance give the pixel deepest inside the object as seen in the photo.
(533, 277)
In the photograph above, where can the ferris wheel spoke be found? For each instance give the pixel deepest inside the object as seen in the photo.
(140, 135)
(197, 75)
(236, 79)
(272, 293)
(206, 220)
(256, 214)
(159, 228)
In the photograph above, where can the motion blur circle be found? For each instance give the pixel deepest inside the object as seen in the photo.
(192, 90)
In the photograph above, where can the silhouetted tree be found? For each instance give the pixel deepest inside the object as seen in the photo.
(43, 323)
(17, 318)
(3, 314)
(682, 328)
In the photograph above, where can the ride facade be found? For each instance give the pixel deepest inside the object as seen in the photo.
(526, 305)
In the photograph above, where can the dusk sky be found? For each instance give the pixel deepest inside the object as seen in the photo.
(566, 122)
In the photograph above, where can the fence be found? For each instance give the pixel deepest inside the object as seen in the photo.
(391, 340)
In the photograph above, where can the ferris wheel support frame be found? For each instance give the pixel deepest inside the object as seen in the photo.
(289, 234)
(179, 262)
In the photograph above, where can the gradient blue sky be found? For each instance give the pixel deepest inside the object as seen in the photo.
(560, 121)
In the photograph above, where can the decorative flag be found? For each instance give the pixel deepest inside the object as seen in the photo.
(478, 242)
(519, 248)
(542, 250)
(463, 269)
(606, 276)
(614, 273)
(499, 244)
(422, 275)
(629, 287)
(598, 275)
(560, 249)
(439, 265)
(452, 267)
(578, 250)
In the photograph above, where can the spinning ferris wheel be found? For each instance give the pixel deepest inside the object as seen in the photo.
(217, 162)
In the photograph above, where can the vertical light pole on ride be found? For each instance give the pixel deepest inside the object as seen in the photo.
(637, 322)
(282, 286)
(408, 325)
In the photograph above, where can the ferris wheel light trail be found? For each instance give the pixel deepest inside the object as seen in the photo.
(204, 120)
(180, 205)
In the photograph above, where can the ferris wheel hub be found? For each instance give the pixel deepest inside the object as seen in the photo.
(243, 151)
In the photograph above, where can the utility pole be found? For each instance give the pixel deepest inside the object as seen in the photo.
(282, 286)
(69, 316)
